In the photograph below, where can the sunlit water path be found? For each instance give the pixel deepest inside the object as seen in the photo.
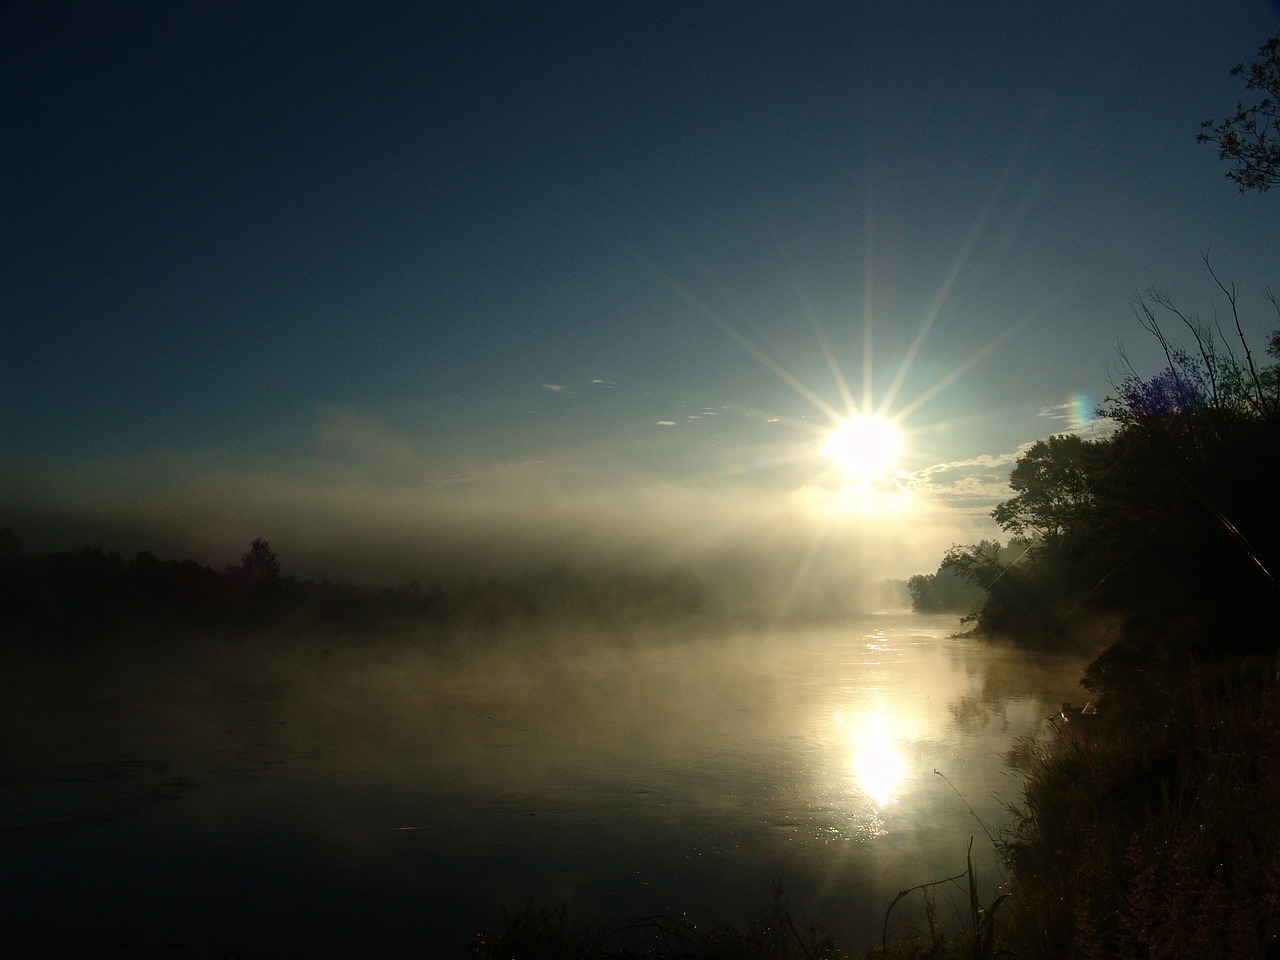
(383, 803)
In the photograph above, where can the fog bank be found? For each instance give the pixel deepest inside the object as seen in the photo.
(752, 543)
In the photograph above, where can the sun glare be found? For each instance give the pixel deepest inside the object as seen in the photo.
(864, 446)
(877, 762)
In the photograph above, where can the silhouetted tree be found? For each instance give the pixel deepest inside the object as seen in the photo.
(952, 588)
(1053, 487)
(75, 595)
(255, 586)
(259, 565)
(1250, 137)
(1167, 528)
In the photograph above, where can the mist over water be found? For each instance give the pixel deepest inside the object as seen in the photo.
(386, 797)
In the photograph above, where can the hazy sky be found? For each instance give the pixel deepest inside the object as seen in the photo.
(420, 286)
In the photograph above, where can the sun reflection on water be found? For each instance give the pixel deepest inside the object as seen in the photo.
(876, 762)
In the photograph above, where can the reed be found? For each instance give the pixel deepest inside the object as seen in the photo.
(977, 939)
(1156, 835)
(540, 933)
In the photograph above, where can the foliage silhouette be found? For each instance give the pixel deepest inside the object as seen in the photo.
(954, 588)
(1250, 137)
(1160, 541)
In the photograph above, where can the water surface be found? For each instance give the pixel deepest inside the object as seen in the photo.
(383, 799)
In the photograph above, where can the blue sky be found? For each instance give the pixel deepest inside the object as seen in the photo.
(438, 287)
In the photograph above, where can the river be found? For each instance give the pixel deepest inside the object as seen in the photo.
(381, 800)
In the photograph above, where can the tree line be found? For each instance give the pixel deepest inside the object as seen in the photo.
(81, 596)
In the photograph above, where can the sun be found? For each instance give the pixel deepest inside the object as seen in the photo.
(865, 446)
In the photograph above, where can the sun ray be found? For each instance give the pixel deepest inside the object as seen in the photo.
(804, 565)
(785, 375)
(942, 383)
(833, 365)
(953, 274)
(863, 442)
(824, 345)
(868, 289)
(992, 345)
(782, 372)
(944, 291)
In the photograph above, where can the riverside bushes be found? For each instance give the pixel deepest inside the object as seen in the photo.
(1154, 834)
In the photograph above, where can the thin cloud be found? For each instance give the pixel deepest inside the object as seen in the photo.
(1056, 411)
(986, 461)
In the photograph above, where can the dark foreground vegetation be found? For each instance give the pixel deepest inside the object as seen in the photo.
(537, 933)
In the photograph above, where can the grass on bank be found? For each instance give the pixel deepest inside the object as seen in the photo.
(536, 932)
(1155, 833)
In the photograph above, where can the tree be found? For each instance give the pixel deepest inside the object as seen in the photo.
(1250, 137)
(258, 567)
(261, 559)
(1167, 529)
(946, 591)
(1017, 600)
(1053, 488)
(1217, 378)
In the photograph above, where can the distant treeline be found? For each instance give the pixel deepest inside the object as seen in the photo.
(81, 595)
(948, 590)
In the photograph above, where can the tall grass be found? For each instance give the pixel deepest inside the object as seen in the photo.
(1155, 833)
(977, 939)
(539, 933)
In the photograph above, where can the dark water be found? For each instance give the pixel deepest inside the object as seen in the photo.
(383, 802)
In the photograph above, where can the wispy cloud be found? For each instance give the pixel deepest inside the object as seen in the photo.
(1056, 411)
(982, 462)
(971, 486)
